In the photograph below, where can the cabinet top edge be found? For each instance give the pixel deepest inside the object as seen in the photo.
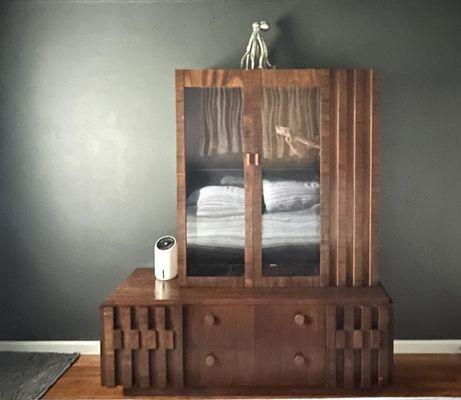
(141, 287)
(275, 70)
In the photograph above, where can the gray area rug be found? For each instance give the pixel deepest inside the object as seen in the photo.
(28, 376)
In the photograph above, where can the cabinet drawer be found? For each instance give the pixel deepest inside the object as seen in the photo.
(290, 345)
(219, 325)
(218, 367)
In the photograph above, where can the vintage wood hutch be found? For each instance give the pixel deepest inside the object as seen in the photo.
(278, 291)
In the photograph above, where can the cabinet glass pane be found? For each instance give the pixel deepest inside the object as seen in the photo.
(291, 183)
(215, 203)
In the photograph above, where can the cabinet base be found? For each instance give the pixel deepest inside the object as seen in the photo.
(251, 392)
(174, 341)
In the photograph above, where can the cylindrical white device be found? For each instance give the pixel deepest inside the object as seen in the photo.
(166, 258)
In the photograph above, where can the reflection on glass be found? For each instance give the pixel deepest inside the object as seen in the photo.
(291, 187)
(215, 205)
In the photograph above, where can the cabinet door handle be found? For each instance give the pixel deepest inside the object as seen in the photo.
(247, 159)
(300, 319)
(299, 359)
(256, 159)
(210, 360)
(210, 319)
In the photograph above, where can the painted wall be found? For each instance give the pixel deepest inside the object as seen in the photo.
(87, 131)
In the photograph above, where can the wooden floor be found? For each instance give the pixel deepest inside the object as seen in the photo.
(415, 375)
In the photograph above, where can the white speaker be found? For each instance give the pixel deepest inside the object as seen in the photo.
(166, 258)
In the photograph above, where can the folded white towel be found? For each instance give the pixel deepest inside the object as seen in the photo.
(218, 201)
(290, 195)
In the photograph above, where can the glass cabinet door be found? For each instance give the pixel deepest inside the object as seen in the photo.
(215, 192)
(290, 221)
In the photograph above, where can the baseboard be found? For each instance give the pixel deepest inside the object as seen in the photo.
(92, 346)
(58, 346)
(427, 346)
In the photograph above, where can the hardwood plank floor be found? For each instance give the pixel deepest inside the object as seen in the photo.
(414, 375)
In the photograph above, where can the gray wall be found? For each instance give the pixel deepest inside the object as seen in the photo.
(87, 157)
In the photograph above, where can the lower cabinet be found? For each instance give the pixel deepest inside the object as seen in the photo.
(173, 349)
(255, 345)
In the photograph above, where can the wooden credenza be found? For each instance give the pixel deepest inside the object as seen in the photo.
(160, 338)
(278, 290)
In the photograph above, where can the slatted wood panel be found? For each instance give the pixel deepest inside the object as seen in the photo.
(352, 177)
(142, 347)
(352, 339)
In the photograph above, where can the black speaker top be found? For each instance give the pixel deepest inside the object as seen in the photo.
(165, 243)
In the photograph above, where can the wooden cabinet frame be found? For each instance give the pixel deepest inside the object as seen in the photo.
(348, 173)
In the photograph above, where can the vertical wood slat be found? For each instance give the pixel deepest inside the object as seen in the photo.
(160, 354)
(349, 351)
(374, 177)
(253, 190)
(107, 348)
(350, 265)
(367, 159)
(331, 346)
(325, 172)
(333, 178)
(383, 352)
(181, 177)
(142, 356)
(390, 344)
(176, 371)
(126, 352)
(365, 368)
(358, 211)
(342, 177)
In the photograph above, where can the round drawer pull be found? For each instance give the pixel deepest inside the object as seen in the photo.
(299, 360)
(210, 319)
(300, 319)
(210, 360)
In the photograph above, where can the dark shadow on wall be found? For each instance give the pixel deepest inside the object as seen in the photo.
(285, 50)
